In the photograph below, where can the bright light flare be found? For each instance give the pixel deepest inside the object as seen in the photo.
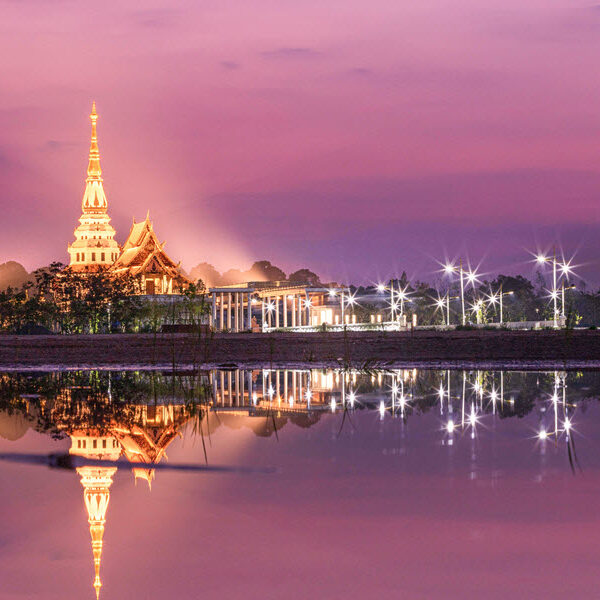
(471, 277)
(473, 416)
(450, 426)
(449, 268)
(382, 409)
(332, 293)
(540, 258)
(567, 425)
(566, 269)
(380, 288)
(543, 434)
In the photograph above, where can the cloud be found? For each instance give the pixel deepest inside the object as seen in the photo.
(361, 72)
(230, 65)
(155, 18)
(575, 25)
(54, 145)
(290, 53)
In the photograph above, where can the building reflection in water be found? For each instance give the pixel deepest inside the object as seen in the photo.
(138, 415)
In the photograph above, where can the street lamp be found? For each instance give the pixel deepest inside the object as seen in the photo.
(471, 277)
(349, 301)
(395, 295)
(565, 270)
(444, 302)
(498, 298)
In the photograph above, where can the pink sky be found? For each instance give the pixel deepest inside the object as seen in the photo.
(336, 135)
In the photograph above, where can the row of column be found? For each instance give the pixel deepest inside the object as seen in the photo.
(231, 311)
(232, 388)
(285, 311)
(236, 388)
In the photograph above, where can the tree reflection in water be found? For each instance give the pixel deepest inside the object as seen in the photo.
(136, 415)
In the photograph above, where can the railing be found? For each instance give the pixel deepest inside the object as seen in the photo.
(395, 326)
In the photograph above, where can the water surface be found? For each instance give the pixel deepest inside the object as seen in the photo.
(410, 484)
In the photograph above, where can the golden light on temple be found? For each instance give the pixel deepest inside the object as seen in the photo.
(142, 255)
(94, 244)
(96, 482)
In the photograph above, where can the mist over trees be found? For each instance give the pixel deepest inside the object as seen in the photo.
(13, 274)
(261, 270)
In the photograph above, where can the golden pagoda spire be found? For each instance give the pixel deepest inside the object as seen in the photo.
(94, 198)
(94, 171)
(96, 482)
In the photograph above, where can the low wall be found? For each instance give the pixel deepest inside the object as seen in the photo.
(356, 349)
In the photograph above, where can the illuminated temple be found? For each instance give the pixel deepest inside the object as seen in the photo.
(142, 256)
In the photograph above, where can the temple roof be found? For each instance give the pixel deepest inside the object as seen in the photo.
(142, 252)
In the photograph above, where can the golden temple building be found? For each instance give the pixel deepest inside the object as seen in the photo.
(94, 246)
(142, 255)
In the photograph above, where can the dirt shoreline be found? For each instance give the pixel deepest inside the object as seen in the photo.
(456, 349)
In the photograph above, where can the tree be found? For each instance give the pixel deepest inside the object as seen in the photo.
(304, 276)
(208, 274)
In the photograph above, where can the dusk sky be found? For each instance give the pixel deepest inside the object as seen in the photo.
(359, 139)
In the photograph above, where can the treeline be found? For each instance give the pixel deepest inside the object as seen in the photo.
(522, 300)
(58, 300)
(261, 270)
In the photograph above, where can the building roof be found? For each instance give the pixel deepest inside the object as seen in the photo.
(143, 253)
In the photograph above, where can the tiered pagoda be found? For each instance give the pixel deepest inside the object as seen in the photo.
(95, 248)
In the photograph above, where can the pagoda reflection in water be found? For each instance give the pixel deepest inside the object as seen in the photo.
(137, 415)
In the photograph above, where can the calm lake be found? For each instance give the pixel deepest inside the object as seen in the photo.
(381, 484)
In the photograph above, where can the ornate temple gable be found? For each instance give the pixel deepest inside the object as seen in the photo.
(144, 257)
(94, 246)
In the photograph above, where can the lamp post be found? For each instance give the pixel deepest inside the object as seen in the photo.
(471, 277)
(442, 303)
(401, 294)
(565, 270)
(493, 298)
